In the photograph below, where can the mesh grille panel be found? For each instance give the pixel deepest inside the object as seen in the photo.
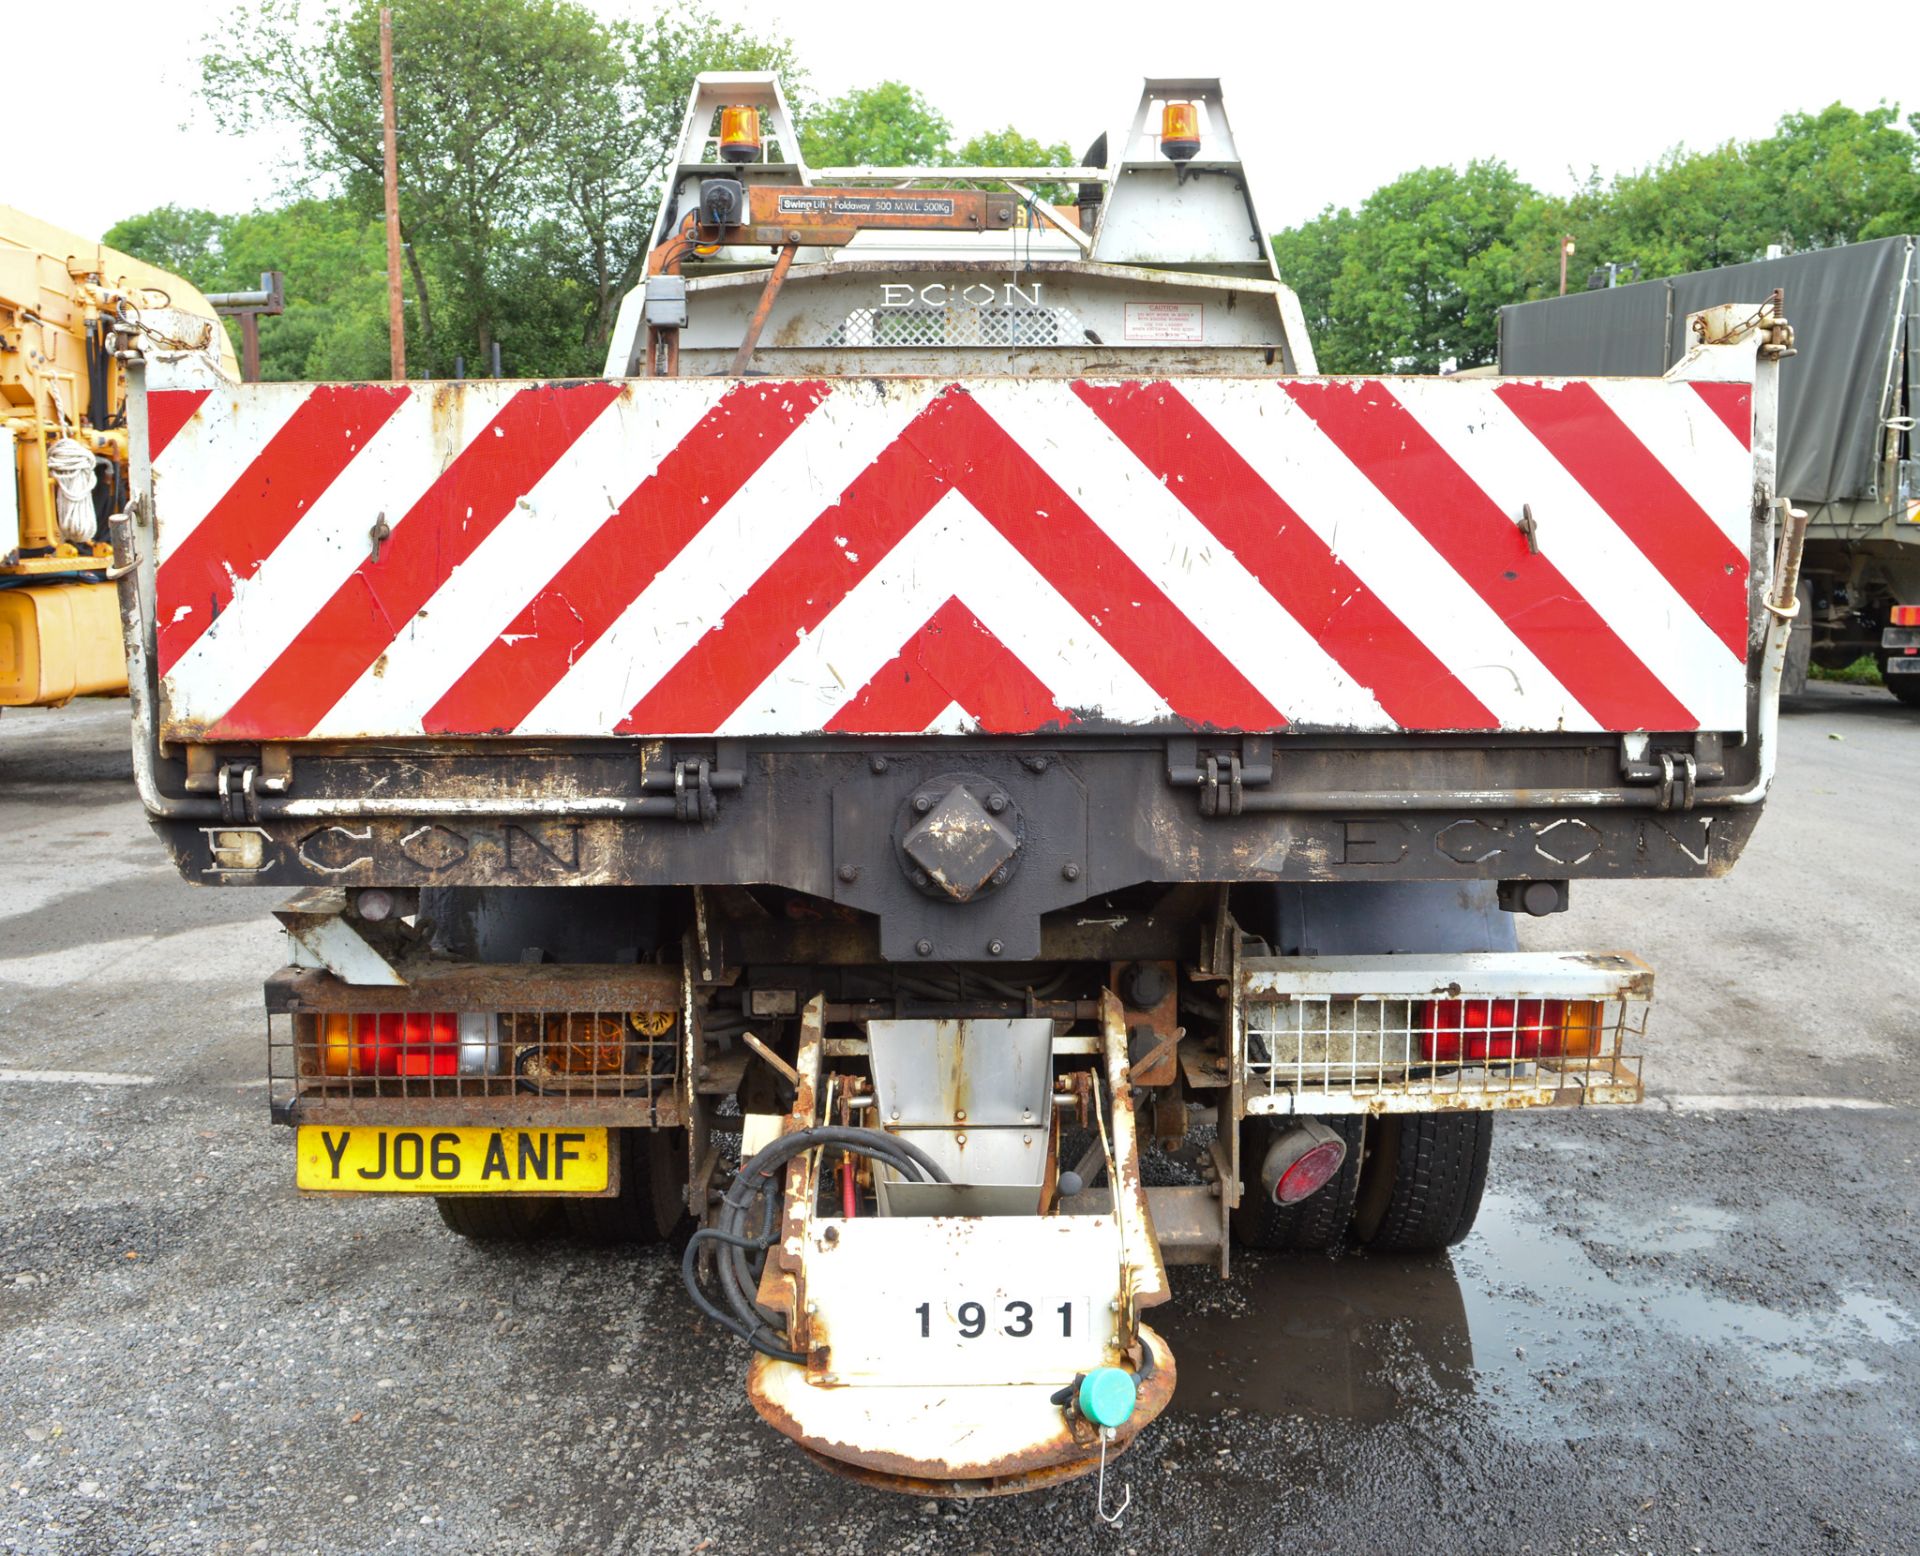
(1316, 1053)
(962, 326)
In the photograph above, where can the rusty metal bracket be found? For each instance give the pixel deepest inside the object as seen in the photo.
(775, 278)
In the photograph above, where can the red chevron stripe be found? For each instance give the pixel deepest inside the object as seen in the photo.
(168, 410)
(1733, 404)
(1203, 471)
(952, 658)
(1172, 655)
(952, 444)
(1485, 547)
(197, 579)
(528, 436)
(796, 592)
(1639, 494)
(588, 595)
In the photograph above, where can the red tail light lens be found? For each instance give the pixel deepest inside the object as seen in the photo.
(1465, 1031)
(407, 1043)
(1310, 1174)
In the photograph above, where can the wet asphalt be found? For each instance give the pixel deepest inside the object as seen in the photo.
(1688, 1327)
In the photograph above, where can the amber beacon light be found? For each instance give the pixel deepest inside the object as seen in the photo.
(1179, 131)
(739, 135)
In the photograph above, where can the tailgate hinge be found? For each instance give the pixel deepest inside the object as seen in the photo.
(1221, 769)
(1677, 763)
(693, 781)
(239, 778)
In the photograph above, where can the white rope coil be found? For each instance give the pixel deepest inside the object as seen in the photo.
(70, 463)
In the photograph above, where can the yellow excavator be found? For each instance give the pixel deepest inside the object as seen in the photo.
(63, 435)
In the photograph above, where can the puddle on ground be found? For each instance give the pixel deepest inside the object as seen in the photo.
(1519, 1319)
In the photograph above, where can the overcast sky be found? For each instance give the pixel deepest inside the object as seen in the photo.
(1329, 101)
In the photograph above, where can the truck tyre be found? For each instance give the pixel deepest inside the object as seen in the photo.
(499, 1218)
(652, 1202)
(1905, 687)
(1318, 1221)
(1421, 1184)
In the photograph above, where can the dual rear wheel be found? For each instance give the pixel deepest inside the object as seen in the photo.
(650, 1207)
(1411, 1183)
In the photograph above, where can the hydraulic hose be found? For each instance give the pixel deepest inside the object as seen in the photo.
(741, 1253)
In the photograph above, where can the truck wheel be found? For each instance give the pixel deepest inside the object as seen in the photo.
(1905, 687)
(499, 1218)
(1421, 1183)
(652, 1202)
(1317, 1222)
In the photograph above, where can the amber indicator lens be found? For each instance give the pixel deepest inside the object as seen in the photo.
(739, 135)
(1179, 131)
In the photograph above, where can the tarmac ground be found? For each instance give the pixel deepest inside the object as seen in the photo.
(1692, 1326)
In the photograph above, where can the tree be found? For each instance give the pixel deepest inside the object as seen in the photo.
(889, 125)
(1840, 176)
(1416, 275)
(178, 238)
(607, 165)
(1009, 148)
(1414, 279)
(335, 323)
(530, 137)
(1309, 258)
(334, 260)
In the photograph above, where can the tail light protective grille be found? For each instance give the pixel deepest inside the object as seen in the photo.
(1331, 1034)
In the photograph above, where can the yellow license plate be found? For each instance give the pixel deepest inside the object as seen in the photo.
(362, 1160)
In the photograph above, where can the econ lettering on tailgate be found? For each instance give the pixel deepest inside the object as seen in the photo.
(767, 558)
(359, 1159)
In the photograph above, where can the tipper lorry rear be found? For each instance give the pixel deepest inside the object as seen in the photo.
(960, 706)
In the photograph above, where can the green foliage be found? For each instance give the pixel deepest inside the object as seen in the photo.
(334, 261)
(1009, 148)
(1414, 278)
(533, 136)
(174, 237)
(1864, 671)
(530, 134)
(889, 125)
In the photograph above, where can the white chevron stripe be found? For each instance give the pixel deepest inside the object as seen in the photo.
(1292, 455)
(396, 468)
(548, 525)
(952, 552)
(213, 451)
(1509, 464)
(951, 720)
(1697, 448)
(1201, 576)
(804, 477)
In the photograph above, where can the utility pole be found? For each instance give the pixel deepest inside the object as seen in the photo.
(396, 316)
(1566, 253)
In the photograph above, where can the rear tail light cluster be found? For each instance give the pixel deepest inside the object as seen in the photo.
(1467, 1031)
(479, 1043)
(1904, 616)
(407, 1043)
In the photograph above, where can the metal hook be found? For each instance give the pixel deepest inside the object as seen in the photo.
(1100, 1497)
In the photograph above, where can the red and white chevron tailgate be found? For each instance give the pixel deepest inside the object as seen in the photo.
(699, 557)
